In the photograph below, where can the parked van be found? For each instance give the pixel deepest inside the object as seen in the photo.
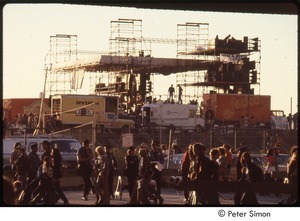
(172, 116)
(68, 147)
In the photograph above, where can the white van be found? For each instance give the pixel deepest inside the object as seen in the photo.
(68, 147)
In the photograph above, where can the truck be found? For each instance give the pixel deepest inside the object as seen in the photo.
(172, 116)
(76, 110)
(243, 109)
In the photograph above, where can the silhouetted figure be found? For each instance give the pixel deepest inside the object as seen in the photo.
(131, 168)
(171, 91)
(84, 156)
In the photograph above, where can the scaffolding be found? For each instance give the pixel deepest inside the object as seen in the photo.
(125, 37)
(128, 69)
(191, 37)
(234, 65)
(63, 48)
(126, 77)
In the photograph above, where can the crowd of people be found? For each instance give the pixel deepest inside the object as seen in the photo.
(196, 166)
(37, 179)
(142, 172)
(29, 122)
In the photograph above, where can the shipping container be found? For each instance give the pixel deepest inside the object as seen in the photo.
(233, 108)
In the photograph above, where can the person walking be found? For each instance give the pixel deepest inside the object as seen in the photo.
(228, 155)
(203, 171)
(222, 161)
(14, 156)
(45, 189)
(23, 165)
(84, 156)
(102, 180)
(35, 162)
(113, 165)
(250, 172)
(145, 188)
(32, 176)
(184, 170)
(214, 155)
(271, 162)
(238, 194)
(57, 174)
(156, 158)
(131, 168)
(180, 94)
(292, 173)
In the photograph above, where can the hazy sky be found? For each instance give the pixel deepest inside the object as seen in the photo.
(27, 29)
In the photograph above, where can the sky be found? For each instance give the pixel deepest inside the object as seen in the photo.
(27, 29)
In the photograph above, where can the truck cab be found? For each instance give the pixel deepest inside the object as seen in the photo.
(112, 121)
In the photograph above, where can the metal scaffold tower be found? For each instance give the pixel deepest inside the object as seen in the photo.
(126, 37)
(128, 51)
(63, 48)
(191, 37)
(234, 65)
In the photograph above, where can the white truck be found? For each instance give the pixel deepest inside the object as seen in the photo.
(172, 116)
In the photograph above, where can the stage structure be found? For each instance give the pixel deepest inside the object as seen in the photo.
(128, 68)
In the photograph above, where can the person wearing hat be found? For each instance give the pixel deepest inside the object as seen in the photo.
(23, 165)
(14, 156)
(32, 173)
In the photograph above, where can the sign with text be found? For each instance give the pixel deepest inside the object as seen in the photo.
(127, 140)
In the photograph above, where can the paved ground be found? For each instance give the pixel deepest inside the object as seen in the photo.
(170, 195)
